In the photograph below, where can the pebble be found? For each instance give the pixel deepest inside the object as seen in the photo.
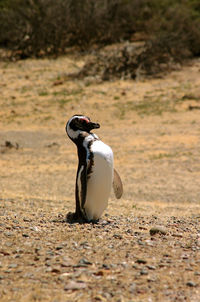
(27, 219)
(8, 244)
(191, 284)
(149, 242)
(4, 253)
(8, 234)
(55, 269)
(12, 265)
(140, 242)
(104, 222)
(72, 285)
(117, 236)
(141, 261)
(151, 267)
(198, 242)
(59, 247)
(178, 235)
(66, 264)
(48, 263)
(158, 230)
(34, 228)
(124, 264)
(83, 263)
(28, 275)
(151, 279)
(143, 272)
(132, 288)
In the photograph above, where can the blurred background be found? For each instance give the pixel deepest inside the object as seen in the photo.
(170, 28)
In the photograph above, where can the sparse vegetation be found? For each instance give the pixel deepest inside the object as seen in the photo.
(148, 106)
(165, 155)
(47, 27)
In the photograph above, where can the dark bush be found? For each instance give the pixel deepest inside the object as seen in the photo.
(43, 27)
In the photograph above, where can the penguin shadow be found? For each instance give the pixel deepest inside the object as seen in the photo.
(72, 218)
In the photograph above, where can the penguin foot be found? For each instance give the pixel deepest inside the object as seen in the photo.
(74, 217)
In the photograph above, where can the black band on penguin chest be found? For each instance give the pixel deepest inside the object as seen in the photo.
(85, 153)
(91, 160)
(86, 158)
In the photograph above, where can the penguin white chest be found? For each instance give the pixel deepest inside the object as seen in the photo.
(100, 180)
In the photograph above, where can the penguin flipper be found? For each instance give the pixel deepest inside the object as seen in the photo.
(117, 185)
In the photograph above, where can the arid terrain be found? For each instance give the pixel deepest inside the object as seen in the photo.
(146, 247)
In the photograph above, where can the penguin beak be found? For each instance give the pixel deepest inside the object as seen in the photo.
(93, 126)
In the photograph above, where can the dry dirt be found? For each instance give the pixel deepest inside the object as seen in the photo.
(153, 127)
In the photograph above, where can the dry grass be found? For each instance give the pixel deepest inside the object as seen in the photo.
(155, 138)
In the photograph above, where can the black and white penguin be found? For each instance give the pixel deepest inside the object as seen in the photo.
(95, 174)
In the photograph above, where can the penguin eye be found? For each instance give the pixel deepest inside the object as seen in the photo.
(81, 122)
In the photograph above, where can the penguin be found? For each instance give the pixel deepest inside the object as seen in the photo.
(95, 174)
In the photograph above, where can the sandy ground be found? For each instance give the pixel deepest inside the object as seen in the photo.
(153, 128)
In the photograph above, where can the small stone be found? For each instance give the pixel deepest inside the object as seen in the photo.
(12, 265)
(149, 242)
(151, 267)
(158, 230)
(124, 264)
(140, 242)
(117, 236)
(189, 269)
(55, 269)
(84, 262)
(102, 272)
(198, 242)
(72, 285)
(106, 266)
(59, 247)
(27, 219)
(8, 244)
(178, 235)
(143, 272)
(25, 235)
(141, 261)
(34, 228)
(191, 284)
(4, 253)
(28, 276)
(66, 264)
(132, 288)
(8, 234)
(151, 279)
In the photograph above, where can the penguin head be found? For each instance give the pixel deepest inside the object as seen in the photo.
(78, 124)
